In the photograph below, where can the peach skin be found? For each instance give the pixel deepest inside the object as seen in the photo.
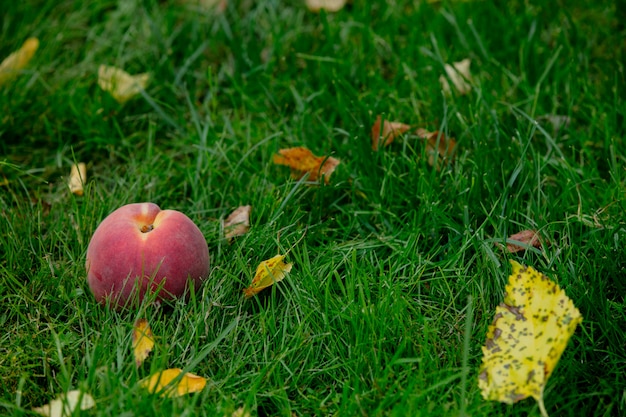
(140, 249)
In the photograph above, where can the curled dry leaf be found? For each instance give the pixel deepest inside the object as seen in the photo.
(143, 341)
(302, 162)
(14, 63)
(78, 177)
(267, 273)
(237, 223)
(526, 237)
(66, 404)
(328, 5)
(390, 130)
(439, 148)
(460, 75)
(163, 383)
(120, 84)
(528, 335)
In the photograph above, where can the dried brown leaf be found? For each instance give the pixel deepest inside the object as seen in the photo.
(237, 223)
(390, 131)
(439, 148)
(526, 237)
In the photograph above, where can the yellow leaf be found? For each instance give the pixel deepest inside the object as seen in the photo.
(267, 273)
(143, 340)
(529, 333)
(66, 404)
(302, 161)
(78, 176)
(14, 63)
(120, 84)
(459, 73)
(163, 383)
(237, 223)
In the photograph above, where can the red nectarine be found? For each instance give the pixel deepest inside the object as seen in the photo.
(140, 249)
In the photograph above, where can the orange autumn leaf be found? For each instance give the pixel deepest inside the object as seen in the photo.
(163, 383)
(237, 223)
(143, 340)
(267, 273)
(527, 237)
(439, 148)
(390, 131)
(302, 161)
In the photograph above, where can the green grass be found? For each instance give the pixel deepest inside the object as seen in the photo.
(396, 272)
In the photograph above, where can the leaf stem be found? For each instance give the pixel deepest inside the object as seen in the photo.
(542, 407)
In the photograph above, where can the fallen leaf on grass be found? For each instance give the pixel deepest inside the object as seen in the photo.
(120, 84)
(526, 237)
(390, 131)
(240, 412)
(143, 341)
(66, 404)
(328, 5)
(439, 148)
(210, 5)
(14, 63)
(237, 223)
(163, 383)
(78, 176)
(302, 162)
(528, 335)
(459, 73)
(267, 273)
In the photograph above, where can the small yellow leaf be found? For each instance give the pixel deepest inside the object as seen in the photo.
(143, 341)
(240, 412)
(328, 5)
(65, 404)
(302, 162)
(78, 176)
(459, 73)
(525, 342)
(120, 84)
(14, 63)
(163, 383)
(237, 223)
(267, 273)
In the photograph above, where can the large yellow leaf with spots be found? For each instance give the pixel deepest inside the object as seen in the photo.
(528, 335)
(267, 273)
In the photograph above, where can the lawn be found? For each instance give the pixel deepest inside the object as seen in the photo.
(398, 262)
